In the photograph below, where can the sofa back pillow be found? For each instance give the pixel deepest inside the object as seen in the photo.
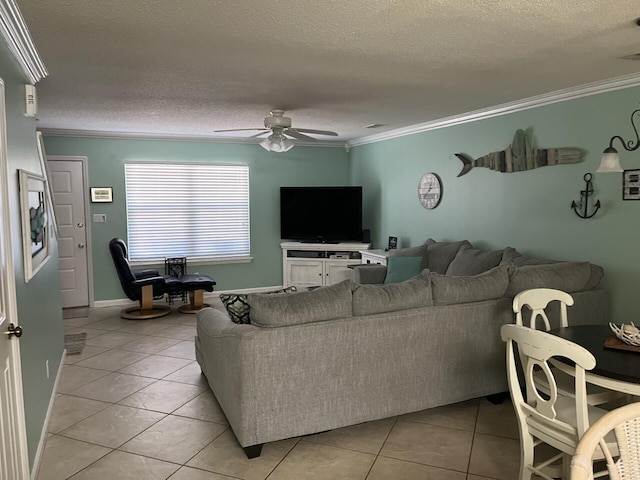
(440, 254)
(237, 307)
(470, 261)
(448, 290)
(324, 303)
(419, 251)
(414, 293)
(569, 277)
(400, 269)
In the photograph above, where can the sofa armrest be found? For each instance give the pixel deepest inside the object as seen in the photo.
(369, 273)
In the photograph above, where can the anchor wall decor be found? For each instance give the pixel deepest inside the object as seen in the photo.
(582, 208)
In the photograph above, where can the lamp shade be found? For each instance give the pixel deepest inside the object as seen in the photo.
(277, 143)
(610, 162)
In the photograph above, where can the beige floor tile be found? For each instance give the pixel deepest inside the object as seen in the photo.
(498, 420)
(365, 437)
(313, 461)
(112, 387)
(174, 439)
(112, 360)
(149, 344)
(112, 339)
(495, 457)
(390, 468)
(62, 457)
(122, 465)
(68, 410)
(74, 377)
(429, 444)
(163, 396)
(113, 323)
(144, 327)
(181, 332)
(78, 322)
(203, 407)
(476, 477)
(188, 473)
(190, 374)
(91, 332)
(458, 415)
(87, 352)
(155, 366)
(224, 455)
(113, 426)
(185, 349)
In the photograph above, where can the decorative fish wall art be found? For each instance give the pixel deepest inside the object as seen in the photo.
(520, 156)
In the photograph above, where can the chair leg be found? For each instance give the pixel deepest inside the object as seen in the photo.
(526, 456)
(146, 310)
(196, 299)
(253, 451)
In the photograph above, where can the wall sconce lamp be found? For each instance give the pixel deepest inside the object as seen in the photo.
(582, 209)
(610, 162)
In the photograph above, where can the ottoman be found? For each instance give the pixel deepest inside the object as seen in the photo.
(196, 285)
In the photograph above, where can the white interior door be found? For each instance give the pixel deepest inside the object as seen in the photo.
(14, 462)
(68, 188)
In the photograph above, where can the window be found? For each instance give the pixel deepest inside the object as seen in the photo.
(199, 211)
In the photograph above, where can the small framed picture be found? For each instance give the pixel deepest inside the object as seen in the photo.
(631, 185)
(101, 194)
(393, 243)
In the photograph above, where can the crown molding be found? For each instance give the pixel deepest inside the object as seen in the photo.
(572, 93)
(58, 132)
(16, 35)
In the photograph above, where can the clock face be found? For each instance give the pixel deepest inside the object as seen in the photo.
(429, 190)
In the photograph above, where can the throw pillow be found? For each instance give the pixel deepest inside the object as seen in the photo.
(470, 261)
(324, 303)
(238, 308)
(489, 285)
(419, 251)
(400, 269)
(414, 293)
(441, 254)
(569, 277)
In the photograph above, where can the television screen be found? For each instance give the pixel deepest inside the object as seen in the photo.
(321, 214)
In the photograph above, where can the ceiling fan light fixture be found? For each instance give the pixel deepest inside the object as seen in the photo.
(277, 143)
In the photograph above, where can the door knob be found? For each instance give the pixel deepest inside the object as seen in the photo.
(13, 330)
(81, 245)
(80, 225)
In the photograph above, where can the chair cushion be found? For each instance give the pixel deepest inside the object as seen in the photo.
(238, 308)
(470, 261)
(489, 285)
(324, 303)
(400, 269)
(566, 276)
(441, 254)
(414, 293)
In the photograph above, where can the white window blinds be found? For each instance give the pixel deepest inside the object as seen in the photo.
(198, 211)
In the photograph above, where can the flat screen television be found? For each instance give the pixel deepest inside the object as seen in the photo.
(321, 214)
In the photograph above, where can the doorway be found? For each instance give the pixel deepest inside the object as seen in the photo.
(68, 186)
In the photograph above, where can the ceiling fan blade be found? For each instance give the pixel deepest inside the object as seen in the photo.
(292, 132)
(259, 134)
(241, 130)
(317, 132)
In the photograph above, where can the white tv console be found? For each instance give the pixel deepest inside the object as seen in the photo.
(313, 264)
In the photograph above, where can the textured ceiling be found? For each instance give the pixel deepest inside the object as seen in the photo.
(190, 67)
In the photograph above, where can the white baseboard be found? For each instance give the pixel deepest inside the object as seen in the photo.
(47, 419)
(125, 301)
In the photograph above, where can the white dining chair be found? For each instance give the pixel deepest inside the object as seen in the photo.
(537, 300)
(555, 419)
(625, 423)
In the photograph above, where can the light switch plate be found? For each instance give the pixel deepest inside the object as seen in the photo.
(99, 218)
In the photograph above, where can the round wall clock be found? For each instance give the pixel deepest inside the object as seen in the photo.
(429, 190)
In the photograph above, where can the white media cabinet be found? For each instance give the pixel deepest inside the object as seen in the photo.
(313, 264)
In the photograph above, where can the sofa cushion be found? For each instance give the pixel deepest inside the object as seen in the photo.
(522, 260)
(566, 276)
(489, 285)
(237, 307)
(597, 273)
(400, 269)
(324, 303)
(509, 254)
(419, 251)
(440, 254)
(413, 293)
(470, 261)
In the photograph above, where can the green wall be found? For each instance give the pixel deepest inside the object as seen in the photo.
(267, 172)
(38, 302)
(530, 210)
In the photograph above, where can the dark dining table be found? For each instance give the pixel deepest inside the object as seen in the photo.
(615, 369)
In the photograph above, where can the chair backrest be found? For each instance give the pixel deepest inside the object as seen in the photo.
(537, 299)
(118, 250)
(625, 423)
(537, 414)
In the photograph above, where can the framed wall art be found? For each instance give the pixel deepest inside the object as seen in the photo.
(47, 178)
(101, 194)
(631, 185)
(34, 211)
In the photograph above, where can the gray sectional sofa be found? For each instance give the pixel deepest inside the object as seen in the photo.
(351, 352)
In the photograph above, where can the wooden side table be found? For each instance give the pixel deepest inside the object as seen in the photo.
(374, 256)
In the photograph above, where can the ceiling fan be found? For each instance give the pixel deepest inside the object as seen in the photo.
(280, 128)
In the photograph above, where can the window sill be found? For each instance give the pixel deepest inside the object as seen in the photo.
(195, 261)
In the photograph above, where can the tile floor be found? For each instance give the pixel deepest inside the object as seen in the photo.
(134, 405)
